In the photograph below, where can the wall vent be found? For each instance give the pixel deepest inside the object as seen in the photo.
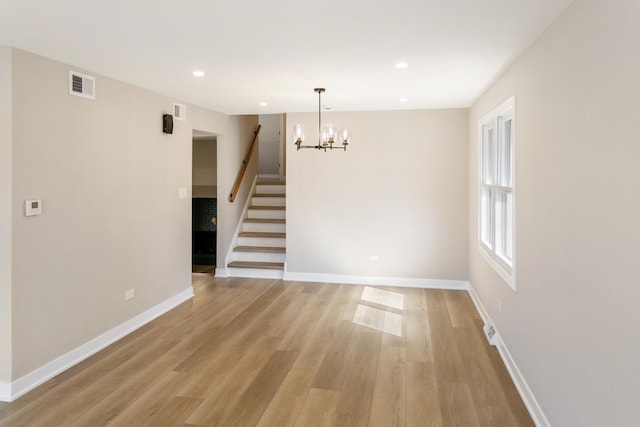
(82, 85)
(179, 111)
(490, 333)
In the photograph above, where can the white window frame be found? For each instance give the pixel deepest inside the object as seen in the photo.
(489, 235)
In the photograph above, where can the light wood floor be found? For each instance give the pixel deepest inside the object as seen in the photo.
(249, 352)
(203, 269)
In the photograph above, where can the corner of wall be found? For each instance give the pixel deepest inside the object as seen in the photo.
(6, 220)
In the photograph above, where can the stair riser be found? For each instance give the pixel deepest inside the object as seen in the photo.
(268, 201)
(258, 256)
(261, 241)
(255, 273)
(270, 189)
(258, 213)
(264, 227)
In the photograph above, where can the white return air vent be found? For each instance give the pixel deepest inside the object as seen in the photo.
(490, 333)
(82, 85)
(179, 111)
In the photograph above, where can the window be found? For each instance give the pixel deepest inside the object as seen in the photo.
(496, 190)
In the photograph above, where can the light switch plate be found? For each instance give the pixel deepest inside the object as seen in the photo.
(32, 207)
(183, 192)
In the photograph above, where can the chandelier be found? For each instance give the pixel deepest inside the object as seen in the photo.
(328, 136)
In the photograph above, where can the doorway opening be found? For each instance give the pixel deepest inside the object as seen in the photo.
(271, 153)
(204, 202)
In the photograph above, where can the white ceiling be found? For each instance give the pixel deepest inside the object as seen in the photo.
(277, 51)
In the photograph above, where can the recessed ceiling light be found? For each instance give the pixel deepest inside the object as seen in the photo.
(263, 104)
(404, 100)
(401, 65)
(198, 73)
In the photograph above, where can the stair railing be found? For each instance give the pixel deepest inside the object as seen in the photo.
(243, 168)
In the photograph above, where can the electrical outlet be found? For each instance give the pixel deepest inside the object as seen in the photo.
(373, 258)
(499, 305)
(129, 294)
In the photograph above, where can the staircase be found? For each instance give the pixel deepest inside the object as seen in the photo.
(260, 246)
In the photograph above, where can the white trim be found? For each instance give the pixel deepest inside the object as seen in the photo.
(404, 282)
(534, 408)
(77, 355)
(269, 176)
(508, 277)
(234, 240)
(222, 272)
(5, 392)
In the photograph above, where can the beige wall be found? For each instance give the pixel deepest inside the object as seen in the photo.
(112, 219)
(204, 162)
(5, 214)
(571, 327)
(399, 192)
(269, 147)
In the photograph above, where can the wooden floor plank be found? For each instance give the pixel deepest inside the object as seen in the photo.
(346, 420)
(389, 398)
(319, 409)
(174, 412)
(252, 403)
(155, 397)
(357, 390)
(423, 406)
(456, 404)
(337, 360)
(272, 353)
(227, 389)
(419, 346)
(285, 407)
(461, 312)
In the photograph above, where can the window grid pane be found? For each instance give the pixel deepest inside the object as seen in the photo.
(508, 250)
(489, 155)
(486, 234)
(505, 153)
(503, 227)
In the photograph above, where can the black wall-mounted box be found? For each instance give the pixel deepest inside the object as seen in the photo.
(167, 123)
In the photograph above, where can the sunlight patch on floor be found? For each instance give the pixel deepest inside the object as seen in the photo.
(382, 297)
(380, 320)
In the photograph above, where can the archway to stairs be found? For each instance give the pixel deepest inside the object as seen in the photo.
(204, 201)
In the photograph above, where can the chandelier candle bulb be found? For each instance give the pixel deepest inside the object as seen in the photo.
(298, 133)
(345, 136)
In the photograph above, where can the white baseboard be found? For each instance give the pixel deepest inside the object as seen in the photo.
(221, 272)
(518, 379)
(404, 282)
(5, 392)
(77, 355)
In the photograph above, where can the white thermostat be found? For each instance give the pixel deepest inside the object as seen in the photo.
(32, 207)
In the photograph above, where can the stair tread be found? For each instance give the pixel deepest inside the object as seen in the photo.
(272, 182)
(266, 220)
(278, 195)
(256, 264)
(272, 249)
(272, 208)
(261, 234)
